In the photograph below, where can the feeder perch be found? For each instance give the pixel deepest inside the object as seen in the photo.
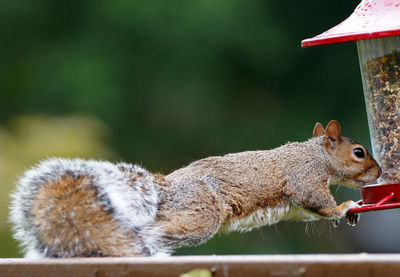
(375, 26)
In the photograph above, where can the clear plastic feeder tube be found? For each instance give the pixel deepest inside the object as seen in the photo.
(380, 68)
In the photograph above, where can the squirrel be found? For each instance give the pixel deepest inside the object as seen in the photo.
(85, 208)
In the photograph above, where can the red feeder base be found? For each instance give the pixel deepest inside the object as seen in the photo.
(378, 197)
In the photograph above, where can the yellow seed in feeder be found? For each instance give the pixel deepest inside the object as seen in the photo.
(384, 59)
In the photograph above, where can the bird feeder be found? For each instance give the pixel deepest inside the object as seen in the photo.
(375, 26)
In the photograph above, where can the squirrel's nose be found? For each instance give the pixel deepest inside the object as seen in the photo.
(375, 171)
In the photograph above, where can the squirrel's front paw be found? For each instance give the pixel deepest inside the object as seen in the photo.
(341, 212)
(353, 219)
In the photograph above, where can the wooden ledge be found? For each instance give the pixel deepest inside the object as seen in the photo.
(227, 266)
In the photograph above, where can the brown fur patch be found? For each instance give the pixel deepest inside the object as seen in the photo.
(160, 180)
(71, 222)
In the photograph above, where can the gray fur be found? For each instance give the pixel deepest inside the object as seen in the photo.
(117, 192)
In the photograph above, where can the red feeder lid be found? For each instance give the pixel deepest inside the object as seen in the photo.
(371, 19)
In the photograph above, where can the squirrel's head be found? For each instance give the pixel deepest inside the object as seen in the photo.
(350, 163)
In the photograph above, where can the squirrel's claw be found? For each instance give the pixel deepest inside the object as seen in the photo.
(352, 219)
(335, 223)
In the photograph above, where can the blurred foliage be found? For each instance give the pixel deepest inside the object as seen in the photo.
(174, 82)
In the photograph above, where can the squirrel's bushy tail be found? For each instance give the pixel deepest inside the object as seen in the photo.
(66, 208)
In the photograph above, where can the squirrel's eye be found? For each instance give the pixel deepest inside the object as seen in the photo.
(359, 152)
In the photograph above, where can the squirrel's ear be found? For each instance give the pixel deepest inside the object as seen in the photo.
(333, 134)
(318, 130)
(333, 130)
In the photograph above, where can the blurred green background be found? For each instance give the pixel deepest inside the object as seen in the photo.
(163, 83)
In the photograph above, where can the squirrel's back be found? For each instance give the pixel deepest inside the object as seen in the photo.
(66, 208)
